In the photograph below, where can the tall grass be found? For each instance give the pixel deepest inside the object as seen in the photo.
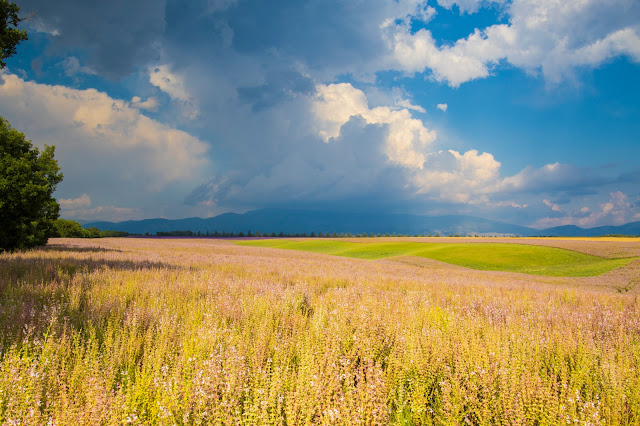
(195, 332)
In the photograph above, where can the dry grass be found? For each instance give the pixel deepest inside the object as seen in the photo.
(139, 331)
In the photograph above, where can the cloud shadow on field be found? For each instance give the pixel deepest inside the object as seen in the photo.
(41, 292)
(23, 270)
(70, 248)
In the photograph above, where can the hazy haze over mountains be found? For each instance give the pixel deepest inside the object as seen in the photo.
(304, 221)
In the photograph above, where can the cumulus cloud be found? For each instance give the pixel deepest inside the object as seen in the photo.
(468, 6)
(72, 67)
(544, 36)
(104, 213)
(554, 207)
(151, 104)
(442, 107)
(102, 144)
(458, 178)
(405, 103)
(449, 176)
(407, 137)
(172, 84)
(617, 211)
(80, 208)
(73, 203)
(367, 150)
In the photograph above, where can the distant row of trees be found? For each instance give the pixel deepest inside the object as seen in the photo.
(217, 234)
(72, 229)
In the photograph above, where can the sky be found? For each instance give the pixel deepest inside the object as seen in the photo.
(525, 111)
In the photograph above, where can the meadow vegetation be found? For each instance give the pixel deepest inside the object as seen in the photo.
(141, 331)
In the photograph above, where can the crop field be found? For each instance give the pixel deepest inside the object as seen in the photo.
(376, 331)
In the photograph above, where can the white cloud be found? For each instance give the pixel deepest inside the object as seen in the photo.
(405, 103)
(80, 208)
(173, 85)
(73, 203)
(445, 175)
(104, 213)
(102, 144)
(467, 6)
(151, 104)
(550, 36)
(72, 67)
(41, 26)
(507, 204)
(407, 138)
(442, 107)
(554, 207)
(617, 211)
(459, 178)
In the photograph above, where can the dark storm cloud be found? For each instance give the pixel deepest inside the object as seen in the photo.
(326, 38)
(279, 86)
(353, 167)
(117, 35)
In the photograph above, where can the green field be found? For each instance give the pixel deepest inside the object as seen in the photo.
(528, 259)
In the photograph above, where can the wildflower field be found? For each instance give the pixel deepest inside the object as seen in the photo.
(202, 331)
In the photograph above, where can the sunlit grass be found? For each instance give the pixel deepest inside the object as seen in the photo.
(190, 332)
(528, 259)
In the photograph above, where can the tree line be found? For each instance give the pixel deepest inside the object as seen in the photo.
(218, 234)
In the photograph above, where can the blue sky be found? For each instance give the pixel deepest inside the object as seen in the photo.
(526, 111)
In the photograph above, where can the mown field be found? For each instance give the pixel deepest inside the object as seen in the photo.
(189, 331)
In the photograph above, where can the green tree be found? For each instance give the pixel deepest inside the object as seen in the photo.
(92, 232)
(9, 37)
(28, 179)
(68, 229)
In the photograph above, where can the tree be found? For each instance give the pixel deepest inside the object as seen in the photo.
(28, 179)
(9, 37)
(68, 229)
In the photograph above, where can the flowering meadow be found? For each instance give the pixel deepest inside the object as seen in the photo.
(200, 331)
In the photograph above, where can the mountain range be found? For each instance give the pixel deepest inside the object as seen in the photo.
(305, 221)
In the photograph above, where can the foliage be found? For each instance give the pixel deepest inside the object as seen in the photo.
(68, 229)
(28, 179)
(71, 229)
(523, 258)
(143, 331)
(9, 37)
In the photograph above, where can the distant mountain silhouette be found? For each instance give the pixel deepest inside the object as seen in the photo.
(305, 221)
(632, 228)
